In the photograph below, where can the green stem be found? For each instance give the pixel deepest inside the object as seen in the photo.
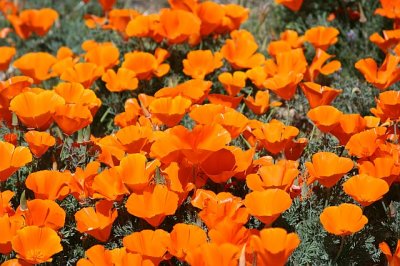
(342, 241)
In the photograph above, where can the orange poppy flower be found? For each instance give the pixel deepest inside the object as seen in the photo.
(259, 74)
(365, 189)
(118, 19)
(321, 37)
(75, 93)
(293, 5)
(384, 168)
(274, 246)
(35, 110)
(233, 83)
(41, 213)
(235, 15)
(124, 79)
(392, 258)
(169, 111)
(390, 39)
(9, 227)
(11, 138)
(150, 244)
(199, 63)
(225, 100)
(112, 150)
(179, 26)
(188, 5)
(134, 138)
(14, 86)
(226, 163)
(259, 104)
(195, 90)
(294, 149)
(365, 143)
(211, 15)
(229, 232)
(97, 221)
(28, 21)
(153, 205)
(318, 65)
(214, 254)
(389, 9)
(325, 117)
(104, 55)
(13, 158)
(216, 208)
(233, 121)
(144, 26)
(240, 51)
(7, 54)
(184, 238)
(195, 145)
(39, 142)
(36, 65)
(82, 180)
(72, 117)
(387, 106)
(83, 73)
(276, 201)
(47, 184)
(36, 244)
(319, 95)
(280, 175)
(384, 76)
(108, 185)
(349, 124)
(275, 135)
(146, 65)
(328, 168)
(5, 205)
(342, 220)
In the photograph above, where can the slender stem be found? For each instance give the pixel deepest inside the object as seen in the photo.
(342, 241)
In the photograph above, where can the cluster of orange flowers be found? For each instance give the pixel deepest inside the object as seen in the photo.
(152, 164)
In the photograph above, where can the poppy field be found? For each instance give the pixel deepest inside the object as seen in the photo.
(189, 132)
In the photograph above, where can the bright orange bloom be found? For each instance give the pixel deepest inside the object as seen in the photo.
(185, 238)
(275, 202)
(390, 39)
(318, 65)
(7, 54)
(211, 15)
(5, 204)
(12, 158)
(72, 117)
(195, 90)
(82, 180)
(325, 117)
(259, 104)
(150, 244)
(199, 63)
(384, 76)
(342, 220)
(275, 135)
(321, 37)
(47, 184)
(392, 258)
(328, 168)
(28, 21)
(144, 26)
(83, 73)
(111, 150)
(225, 100)
(387, 106)
(389, 9)
(235, 15)
(153, 205)
(9, 227)
(214, 254)
(294, 149)
(41, 213)
(35, 110)
(240, 51)
(169, 111)
(365, 143)
(39, 142)
(274, 246)
(349, 124)
(195, 145)
(230, 232)
(365, 189)
(97, 221)
(36, 65)
(384, 168)
(280, 175)
(36, 244)
(124, 79)
(147, 65)
(134, 139)
(233, 83)
(104, 55)
(108, 185)
(107, 5)
(179, 26)
(293, 5)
